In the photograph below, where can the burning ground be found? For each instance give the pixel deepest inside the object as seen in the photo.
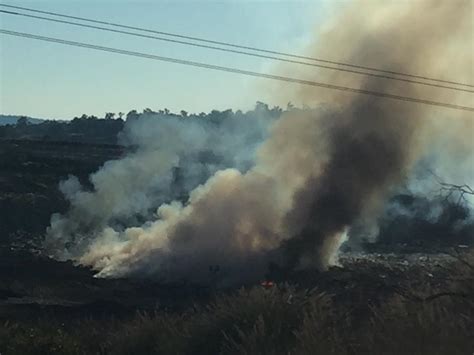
(385, 295)
(287, 191)
(189, 213)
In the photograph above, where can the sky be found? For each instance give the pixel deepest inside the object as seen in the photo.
(49, 80)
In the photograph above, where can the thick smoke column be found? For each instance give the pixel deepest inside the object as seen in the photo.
(374, 143)
(316, 174)
(369, 151)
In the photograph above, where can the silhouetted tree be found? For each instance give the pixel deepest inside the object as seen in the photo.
(132, 115)
(22, 122)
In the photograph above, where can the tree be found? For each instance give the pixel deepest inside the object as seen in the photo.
(132, 115)
(22, 122)
(148, 111)
(260, 106)
(450, 190)
(276, 111)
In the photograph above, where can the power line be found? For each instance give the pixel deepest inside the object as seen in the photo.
(233, 70)
(235, 51)
(227, 44)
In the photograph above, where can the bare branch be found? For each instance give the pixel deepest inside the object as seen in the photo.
(448, 189)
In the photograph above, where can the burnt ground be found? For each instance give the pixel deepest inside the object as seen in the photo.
(33, 286)
(30, 172)
(31, 283)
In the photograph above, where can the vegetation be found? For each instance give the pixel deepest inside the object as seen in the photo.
(92, 129)
(261, 321)
(420, 315)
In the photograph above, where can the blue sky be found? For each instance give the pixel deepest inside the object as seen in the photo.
(53, 81)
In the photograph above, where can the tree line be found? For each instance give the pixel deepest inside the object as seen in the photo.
(104, 130)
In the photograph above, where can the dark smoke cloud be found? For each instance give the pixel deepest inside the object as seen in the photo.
(369, 150)
(374, 143)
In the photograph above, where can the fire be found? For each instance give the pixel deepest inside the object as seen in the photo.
(267, 284)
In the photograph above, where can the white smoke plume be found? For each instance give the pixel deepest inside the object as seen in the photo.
(293, 193)
(169, 156)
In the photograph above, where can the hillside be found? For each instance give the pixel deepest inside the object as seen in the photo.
(12, 119)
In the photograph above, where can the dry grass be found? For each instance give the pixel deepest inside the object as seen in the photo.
(280, 320)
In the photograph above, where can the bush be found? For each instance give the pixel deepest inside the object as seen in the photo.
(279, 320)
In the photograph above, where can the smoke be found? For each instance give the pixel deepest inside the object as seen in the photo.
(375, 143)
(169, 156)
(290, 193)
